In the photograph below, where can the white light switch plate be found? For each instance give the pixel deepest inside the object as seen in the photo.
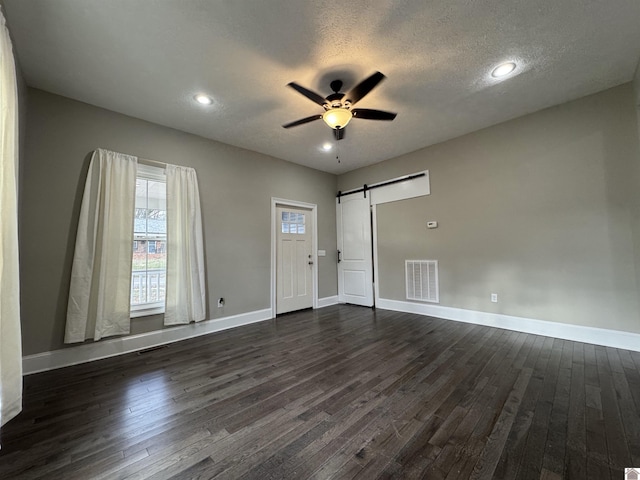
(322, 253)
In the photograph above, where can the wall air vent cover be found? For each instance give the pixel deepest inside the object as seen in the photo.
(422, 280)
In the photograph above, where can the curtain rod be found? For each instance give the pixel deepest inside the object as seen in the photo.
(152, 163)
(366, 187)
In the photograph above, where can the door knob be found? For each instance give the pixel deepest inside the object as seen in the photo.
(310, 262)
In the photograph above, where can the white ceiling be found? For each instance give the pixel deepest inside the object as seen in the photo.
(147, 58)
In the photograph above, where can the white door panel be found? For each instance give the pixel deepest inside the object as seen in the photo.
(294, 259)
(355, 266)
(354, 283)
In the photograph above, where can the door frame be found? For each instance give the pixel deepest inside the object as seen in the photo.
(275, 202)
(374, 246)
(399, 188)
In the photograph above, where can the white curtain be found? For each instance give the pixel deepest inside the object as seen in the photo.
(100, 290)
(185, 294)
(10, 338)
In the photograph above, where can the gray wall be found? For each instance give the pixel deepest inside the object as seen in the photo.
(236, 187)
(541, 210)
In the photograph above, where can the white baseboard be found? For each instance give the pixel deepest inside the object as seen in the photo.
(577, 333)
(65, 357)
(327, 301)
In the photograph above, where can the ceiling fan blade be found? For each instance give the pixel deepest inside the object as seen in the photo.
(302, 121)
(364, 87)
(372, 114)
(313, 96)
(338, 133)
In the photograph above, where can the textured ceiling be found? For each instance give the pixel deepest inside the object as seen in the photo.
(149, 57)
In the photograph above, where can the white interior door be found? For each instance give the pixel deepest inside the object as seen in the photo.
(294, 257)
(355, 260)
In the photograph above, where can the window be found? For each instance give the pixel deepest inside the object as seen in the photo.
(149, 268)
(161, 280)
(293, 222)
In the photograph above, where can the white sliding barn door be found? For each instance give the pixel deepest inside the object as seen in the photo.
(355, 260)
(294, 257)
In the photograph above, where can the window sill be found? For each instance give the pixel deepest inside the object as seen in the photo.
(144, 312)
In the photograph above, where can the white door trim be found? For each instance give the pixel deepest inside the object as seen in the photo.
(374, 241)
(314, 246)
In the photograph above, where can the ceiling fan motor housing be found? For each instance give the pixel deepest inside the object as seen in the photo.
(335, 100)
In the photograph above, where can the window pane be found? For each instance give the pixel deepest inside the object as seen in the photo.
(139, 255)
(141, 193)
(157, 258)
(140, 221)
(293, 222)
(156, 283)
(137, 292)
(157, 221)
(157, 191)
(149, 262)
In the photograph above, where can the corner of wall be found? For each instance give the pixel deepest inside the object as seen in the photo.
(636, 84)
(636, 172)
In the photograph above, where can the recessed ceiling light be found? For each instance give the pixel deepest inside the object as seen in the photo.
(326, 147)
(504, 69)
(203, 99)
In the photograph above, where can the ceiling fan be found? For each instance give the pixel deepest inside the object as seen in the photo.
(337, 106)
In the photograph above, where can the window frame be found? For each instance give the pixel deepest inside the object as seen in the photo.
(288, 222)
(156, 174)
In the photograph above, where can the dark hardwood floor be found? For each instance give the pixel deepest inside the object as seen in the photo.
(342, 392)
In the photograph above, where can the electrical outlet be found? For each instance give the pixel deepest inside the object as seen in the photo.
(494, 297)
(220, 302)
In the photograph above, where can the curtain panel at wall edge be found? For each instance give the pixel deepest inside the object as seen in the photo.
(10, 330)
(100, 288)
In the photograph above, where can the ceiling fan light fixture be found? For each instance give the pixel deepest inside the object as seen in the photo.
(503, 69)
(203, 99)
(337, 117)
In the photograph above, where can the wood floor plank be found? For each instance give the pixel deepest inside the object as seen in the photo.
(597, 455)
(488, 459)
(555, 445)
(342, 392)
(617, 444)
(575, 455)
(630, 422)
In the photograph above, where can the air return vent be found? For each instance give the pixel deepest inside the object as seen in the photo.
(422, 280)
